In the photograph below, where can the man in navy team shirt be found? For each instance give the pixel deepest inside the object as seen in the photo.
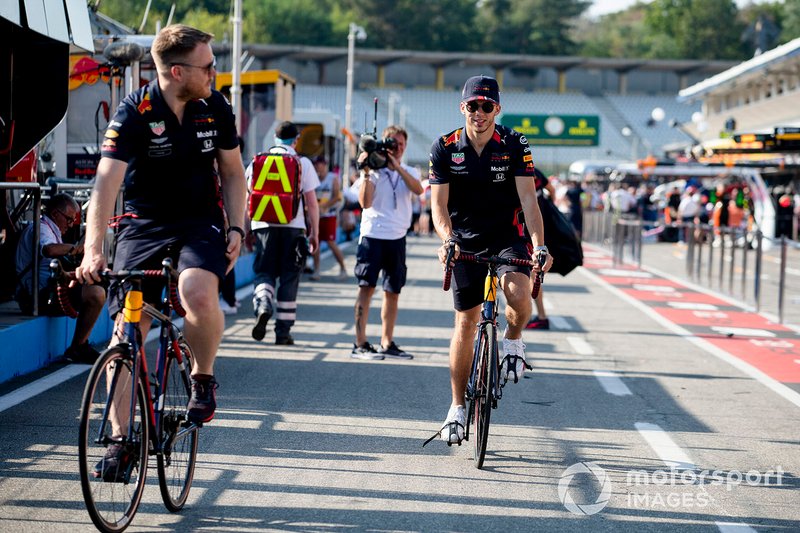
(172, 143)
(483, 196)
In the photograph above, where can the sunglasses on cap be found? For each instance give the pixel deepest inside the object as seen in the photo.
(486, 107)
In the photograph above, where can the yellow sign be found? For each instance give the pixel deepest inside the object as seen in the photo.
(276, 205)
(273, 169)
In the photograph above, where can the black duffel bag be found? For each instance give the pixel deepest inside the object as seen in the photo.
(560, 238)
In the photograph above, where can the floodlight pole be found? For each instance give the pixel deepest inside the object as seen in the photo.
(355, 32)
(236, 65)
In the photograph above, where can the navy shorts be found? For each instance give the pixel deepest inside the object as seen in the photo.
(468, 278)
(374, 255)
(144, 246)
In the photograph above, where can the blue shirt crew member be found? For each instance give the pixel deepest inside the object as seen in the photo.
(173, 144)
(483, 197)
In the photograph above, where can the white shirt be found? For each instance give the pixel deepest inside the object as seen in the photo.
(308, 180)
(390, 214)
(48, 234)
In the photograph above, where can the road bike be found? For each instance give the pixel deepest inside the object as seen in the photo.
(484, 388)
(122, 407)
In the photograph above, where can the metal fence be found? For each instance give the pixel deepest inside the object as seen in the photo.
(745, 265)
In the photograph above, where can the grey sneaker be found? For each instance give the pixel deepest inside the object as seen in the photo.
(394, 351)
(366, 352)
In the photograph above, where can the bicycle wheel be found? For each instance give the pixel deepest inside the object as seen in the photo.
(482, 399)
(112, 492)
(177, 459)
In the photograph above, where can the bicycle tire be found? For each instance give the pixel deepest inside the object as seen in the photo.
(482, 401)
(111, 503)
(178, 457)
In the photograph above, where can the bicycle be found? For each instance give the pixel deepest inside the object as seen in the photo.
(151, 417)
(484, 389)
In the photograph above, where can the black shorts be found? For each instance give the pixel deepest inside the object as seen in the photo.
(200, 246)
(374, 255)
(468, 278)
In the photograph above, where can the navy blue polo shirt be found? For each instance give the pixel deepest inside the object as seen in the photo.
(485, 209)
(171, 175)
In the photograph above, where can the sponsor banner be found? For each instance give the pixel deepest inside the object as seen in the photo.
(556, 130)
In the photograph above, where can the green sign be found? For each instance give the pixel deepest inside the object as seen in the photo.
(556, 130)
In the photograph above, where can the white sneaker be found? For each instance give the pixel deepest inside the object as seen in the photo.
(452, 431)
(227, 308)
(513, 366)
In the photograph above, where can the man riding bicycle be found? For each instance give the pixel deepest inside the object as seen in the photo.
(173, 143)
(483, 198)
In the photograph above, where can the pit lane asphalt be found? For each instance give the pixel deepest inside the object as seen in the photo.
(308, 439)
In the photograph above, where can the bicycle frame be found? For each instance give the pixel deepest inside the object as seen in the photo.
(488, 318)
(132, 313)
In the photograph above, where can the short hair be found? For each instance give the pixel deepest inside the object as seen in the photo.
(286, 131)
(395, 130)
(60, 201)
(176, 41)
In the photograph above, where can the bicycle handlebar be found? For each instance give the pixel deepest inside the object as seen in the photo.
(541, 258)
(167, 272)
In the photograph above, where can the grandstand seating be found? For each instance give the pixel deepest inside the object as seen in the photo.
(429, 113)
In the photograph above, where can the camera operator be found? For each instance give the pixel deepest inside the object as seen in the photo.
(385, 196)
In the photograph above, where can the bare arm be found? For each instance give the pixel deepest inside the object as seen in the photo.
(366, 193)
(440, 194)
(234, 192)
(533, 217)
(110, 174)
(310, 199)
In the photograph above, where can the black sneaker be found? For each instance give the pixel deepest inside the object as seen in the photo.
(203, 402)
(366, 352)
(393, 351)
(82, 354)
(263, 314)
(116, 463)
(284, 340)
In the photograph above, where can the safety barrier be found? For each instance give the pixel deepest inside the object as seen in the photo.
(731, 260)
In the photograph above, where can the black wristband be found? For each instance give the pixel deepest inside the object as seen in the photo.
(238, 230)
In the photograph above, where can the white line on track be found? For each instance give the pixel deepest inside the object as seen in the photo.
(669, 452)
(776, 386)
(734, 527)
(40, 385)
(580, 346)
(612, 383)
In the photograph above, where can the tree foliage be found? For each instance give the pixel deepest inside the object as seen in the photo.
(661, 29)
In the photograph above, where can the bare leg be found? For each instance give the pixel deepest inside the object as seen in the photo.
(362, 313)
(540, 311)
(388, 317)
(92, 299)
(337, 253)
(120, 411)
(517, 290)
(204, 322)
(461, 348)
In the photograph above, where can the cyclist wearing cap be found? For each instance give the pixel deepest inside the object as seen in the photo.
(483, 198)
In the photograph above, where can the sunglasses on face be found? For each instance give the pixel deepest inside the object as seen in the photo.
(486, 107)
(208, 68)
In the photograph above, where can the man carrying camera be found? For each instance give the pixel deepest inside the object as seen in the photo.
(385, 195)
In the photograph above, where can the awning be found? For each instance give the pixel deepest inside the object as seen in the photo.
(66, 21)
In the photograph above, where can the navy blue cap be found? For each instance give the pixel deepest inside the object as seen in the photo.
(481, 88)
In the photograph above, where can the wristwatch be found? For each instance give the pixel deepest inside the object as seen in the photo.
(541, 249)
(238, 230)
